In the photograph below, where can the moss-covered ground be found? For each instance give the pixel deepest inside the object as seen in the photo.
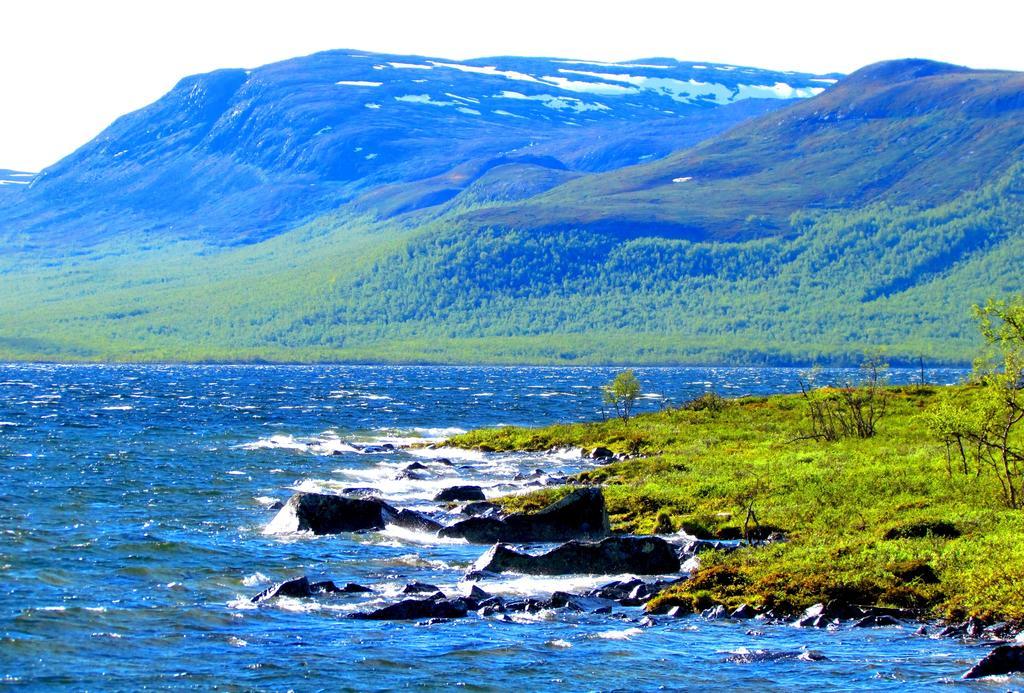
(884, 520)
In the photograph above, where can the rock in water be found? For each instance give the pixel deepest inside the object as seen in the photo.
(460, 493)
(638, 555)
(297, 587)
(412, 520)
(580, 515)
(481, 509)
(323, 513)
(409, 609)
(1005, 659)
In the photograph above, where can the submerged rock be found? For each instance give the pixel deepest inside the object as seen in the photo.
(1005, 659)
(580, 515)
(757, 656)
(460, 493)
(638, 555)
(323, 513)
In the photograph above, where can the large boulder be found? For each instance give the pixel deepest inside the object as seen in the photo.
(580, 515)
(323, 513)
(637, 555)
(460, 493)
(1005, 659)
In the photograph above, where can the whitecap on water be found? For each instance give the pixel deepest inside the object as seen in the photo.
(558, 643)
(625, 634)
(283, 442)
(255, 579)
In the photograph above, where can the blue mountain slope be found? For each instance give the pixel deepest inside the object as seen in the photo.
(236, 155)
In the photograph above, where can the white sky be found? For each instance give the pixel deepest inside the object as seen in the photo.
(70, 67)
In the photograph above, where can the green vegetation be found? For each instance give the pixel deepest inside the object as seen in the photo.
(621, 393)
(881, 519)
(349, 288)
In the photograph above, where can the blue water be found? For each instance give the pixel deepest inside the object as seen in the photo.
(132, 510)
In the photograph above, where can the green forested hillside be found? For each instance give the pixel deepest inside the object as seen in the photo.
(869, 217)
(896, 278)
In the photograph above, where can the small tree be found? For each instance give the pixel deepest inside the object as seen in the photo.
(622, 394)
(987, 431)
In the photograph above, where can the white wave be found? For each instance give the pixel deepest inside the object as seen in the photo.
(265, 501)
(532, 585)
(255, 579)
(7, 423)
(281, 442)
(409, 536)
(125, 407)
(565, 644)
(626, 634)
(235, 472)
(236, 642)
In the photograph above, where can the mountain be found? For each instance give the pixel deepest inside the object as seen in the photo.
(907, 132)
(235, 156)
(868, 216)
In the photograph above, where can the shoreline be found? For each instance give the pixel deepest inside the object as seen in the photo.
(926, 548)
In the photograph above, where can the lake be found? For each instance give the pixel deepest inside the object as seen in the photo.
(134, 505)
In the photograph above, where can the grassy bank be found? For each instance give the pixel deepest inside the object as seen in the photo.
(884, 520)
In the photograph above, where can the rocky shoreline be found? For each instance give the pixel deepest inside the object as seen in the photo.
(572, 536)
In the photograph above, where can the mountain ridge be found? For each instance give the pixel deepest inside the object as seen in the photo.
(813, 233)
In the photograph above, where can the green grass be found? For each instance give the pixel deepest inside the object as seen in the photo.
(853, 510)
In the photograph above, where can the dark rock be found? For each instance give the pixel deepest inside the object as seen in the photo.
(646, 622)
(676, 612)
(714, 613)
(743, 612)
(415, 466)
(420, 588)
(412, 520)
(485, 448)
(607, 609)
(475, 592)
(460, 493)
(1005, 659)
(323, 513)
(923, 630)
(874, 621)
(825, 615)
(388, 447)
(601, 453)
(410, 609)
(354, 588)
(412, 476)
(465, 468)
(639, 555)
(445, 461)
(296, 587)
(495, 602)
(971, 628)
(481, 509)
(579, 515)
(362, 491)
